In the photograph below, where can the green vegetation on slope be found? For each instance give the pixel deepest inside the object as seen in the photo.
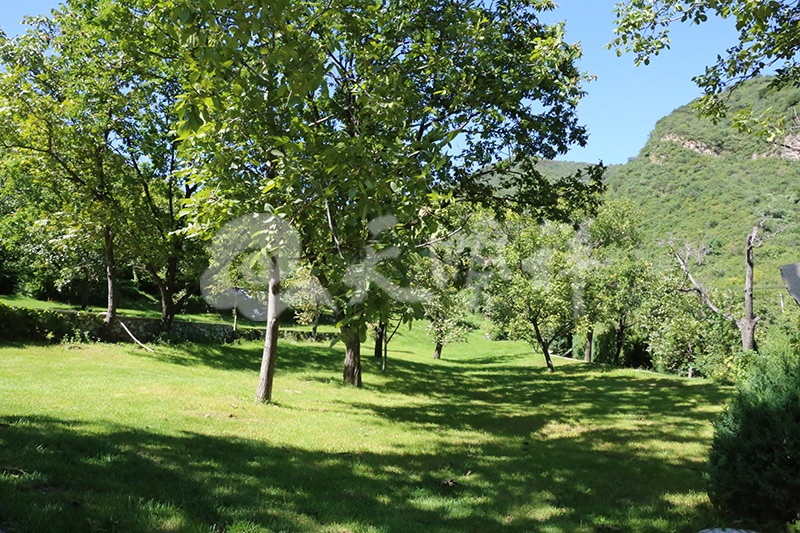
(483, 440)
(706, 185)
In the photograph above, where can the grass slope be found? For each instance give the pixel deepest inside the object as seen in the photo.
(111, 438)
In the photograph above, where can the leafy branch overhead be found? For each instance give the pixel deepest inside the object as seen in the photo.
(768, 40)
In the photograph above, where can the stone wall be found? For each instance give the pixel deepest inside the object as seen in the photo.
(23, 324)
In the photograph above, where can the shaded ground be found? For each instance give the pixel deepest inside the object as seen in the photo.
(475, 444)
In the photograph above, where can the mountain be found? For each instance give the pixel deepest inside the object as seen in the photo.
(705, 185)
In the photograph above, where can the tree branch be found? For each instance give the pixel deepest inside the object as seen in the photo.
(699, 289)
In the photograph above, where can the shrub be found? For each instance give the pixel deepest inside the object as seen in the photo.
(22, 324)
(755, 456)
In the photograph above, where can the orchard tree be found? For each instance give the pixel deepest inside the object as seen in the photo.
(309, 299)
(609, 277)
(339, 114)
(55, 109)
(531, 293)
(87, 97)
(444, 303)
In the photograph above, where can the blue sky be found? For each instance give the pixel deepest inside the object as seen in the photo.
(621, 106)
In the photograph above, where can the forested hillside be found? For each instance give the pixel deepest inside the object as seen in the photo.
(705, 185)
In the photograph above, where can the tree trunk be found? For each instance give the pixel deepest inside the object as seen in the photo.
(167, 288)
(545, 346)
(168, 310)
(747, 324)
(619, 339)
(264, 390)
(385, 351)
(587, 346)
(380, 333)
(111, 275)
(84, 296)
(437, 352)
(748, 330)
(352, 356)
(315, 323)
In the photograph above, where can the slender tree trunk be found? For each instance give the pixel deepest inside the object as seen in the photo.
(84, 296)
(315, 323)
(747, 324)
(619, 339)
(352, 356)
(380, 333)
(545, 346)
(111, 275)
(587, 346)
(264, 390)
(437, 352)
(385, 351)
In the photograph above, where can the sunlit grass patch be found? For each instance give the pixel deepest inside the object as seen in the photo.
(110, 437)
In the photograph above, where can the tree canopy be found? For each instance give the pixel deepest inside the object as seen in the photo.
(341, 114)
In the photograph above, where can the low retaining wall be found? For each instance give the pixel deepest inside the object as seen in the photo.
(146, 330)
(23, 324)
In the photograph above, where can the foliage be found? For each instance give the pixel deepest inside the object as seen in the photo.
(682, 334)
(445, 303)
(87, 113)
(354, 140)
(44, 325)
(706, 185)
(768, 40)
(754, 467)
(308, 299)
(531, 293)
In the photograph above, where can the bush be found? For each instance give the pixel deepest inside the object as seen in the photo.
(22, 324)
(755, 455)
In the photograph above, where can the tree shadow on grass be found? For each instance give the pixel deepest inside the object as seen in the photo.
(63, 475)
(301, 357)
(625, 449)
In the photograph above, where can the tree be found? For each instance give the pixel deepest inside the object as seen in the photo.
(444, 304)
(46, 116)
(309, 299)
(249, 254)
(769, 39)
(531, 294)
(608, 275)
(337, 114)
(747, 323)
(93, 112)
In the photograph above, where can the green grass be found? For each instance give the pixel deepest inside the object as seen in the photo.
(111, 438)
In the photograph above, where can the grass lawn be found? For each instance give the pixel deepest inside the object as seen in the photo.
(112, 438)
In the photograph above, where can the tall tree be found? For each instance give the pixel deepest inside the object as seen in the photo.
(96, 112)
(746, 323)
(340, 113)
(55, 110)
